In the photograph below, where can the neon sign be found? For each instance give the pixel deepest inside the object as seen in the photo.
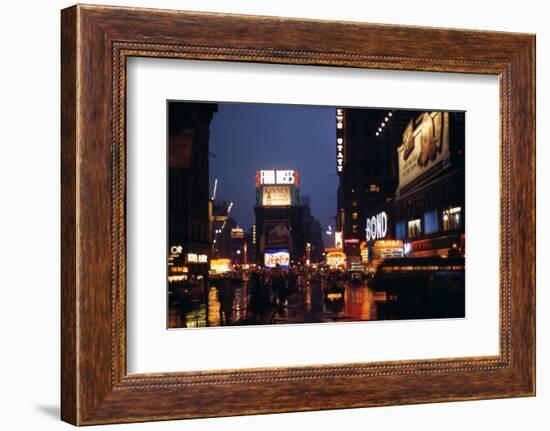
(377, 226)
(197, 258)
(278, 177)
(339, 140)
(279, 257)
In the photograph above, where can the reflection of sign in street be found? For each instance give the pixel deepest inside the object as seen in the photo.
(377, 226)
(387, 249)
(276, 257)
(277, 233)
(424, 147)
(274, 196)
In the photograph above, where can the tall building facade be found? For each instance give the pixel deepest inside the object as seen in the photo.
(221, 225)
(366, 167)
(429, 208)
(189, 207)
(279, 218)
(401, 178)
(313, 234)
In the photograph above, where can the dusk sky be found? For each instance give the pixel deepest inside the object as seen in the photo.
(247, 137)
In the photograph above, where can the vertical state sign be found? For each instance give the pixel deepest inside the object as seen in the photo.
(340, 121)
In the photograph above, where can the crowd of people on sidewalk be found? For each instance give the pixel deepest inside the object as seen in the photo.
(268, 291)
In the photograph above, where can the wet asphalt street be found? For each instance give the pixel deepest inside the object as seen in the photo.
(307, 304)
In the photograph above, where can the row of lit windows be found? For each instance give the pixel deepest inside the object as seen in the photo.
(450, 219)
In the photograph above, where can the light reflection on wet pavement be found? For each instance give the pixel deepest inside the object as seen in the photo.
(308, 304)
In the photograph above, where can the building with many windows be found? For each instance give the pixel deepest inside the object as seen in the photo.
(402, 183)
(426, 216)
(366, 142)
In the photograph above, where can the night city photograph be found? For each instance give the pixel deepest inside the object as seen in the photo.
(292, 214)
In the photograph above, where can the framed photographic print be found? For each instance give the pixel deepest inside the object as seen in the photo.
(325, 214)
(274, 256)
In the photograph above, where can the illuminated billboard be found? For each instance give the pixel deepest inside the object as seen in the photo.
(237, 232)
(385, 249)
(271, 177)
(220, 266)
(364, 252)
(276, 196)
(425, 147)
(276, 257)
(377, 226)
(338, 239)
(277, 187)
(336, 259)
(196, 258)
(277, 233)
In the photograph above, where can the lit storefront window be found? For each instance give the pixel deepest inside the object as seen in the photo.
(431, 224)
(354, 216)
(452, 218)
(414, 228)
(400, 230)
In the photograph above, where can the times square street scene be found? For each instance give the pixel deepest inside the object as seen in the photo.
(286, 214)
